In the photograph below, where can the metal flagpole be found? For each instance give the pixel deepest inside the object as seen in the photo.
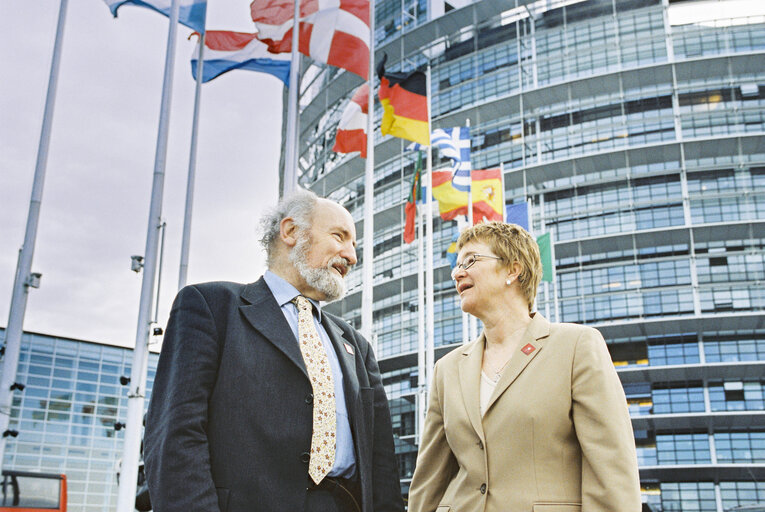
(472, 321)
(461, 224)
(24, 278)
(554, 280)
(542, 229)
(289, 183)
(470, 186)
(137, 386)
(430, 310)
(186, 239)
(502, 191)
(367, 291)
(422, 376)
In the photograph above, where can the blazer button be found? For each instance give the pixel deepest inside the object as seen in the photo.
(480, 444)
(483, 488)
(305, 457)
(309, 398)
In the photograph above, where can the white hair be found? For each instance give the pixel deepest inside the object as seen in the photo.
(299, 206)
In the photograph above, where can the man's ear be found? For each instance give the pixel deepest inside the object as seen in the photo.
(288, 231)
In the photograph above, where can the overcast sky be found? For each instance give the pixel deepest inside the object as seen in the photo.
(95, 203)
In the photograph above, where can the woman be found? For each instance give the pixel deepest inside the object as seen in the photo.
(530, 416)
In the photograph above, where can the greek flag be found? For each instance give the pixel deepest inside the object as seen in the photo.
(454, 144)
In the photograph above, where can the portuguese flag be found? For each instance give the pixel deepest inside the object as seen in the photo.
(415, 193)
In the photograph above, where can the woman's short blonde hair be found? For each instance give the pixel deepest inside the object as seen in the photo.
(511, 243)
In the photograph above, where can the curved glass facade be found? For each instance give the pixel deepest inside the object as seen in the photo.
(66, 414)
(636, 129)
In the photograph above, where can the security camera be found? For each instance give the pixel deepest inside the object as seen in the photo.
(124, 380)
(136, 263)
(12, 433)
(18, 385)
(34, 280)
(119, 426)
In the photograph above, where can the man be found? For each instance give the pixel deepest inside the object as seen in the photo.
(246, 418)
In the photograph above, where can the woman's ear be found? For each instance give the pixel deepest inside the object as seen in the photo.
(514, 272)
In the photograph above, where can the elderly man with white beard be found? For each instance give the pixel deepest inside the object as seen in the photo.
(264, 402)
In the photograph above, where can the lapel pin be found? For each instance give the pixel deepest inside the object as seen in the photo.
(348, 348)
(528, 348)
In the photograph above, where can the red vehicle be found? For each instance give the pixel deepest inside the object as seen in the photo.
(24, 491)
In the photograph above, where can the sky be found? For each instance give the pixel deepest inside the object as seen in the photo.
(95, 204)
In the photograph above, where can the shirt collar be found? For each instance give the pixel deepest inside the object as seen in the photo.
(284, 292)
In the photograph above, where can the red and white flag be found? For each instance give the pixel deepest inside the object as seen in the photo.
(334, 32)
(352, 129)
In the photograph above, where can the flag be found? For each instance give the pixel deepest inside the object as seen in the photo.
(518, 214)
(334, 32)
(454, 144)
(226, 50)
(415, 193)
(451, 250)
(488, 197)
(192, 12)
(545, 252)
(405, 105)
(352, 130)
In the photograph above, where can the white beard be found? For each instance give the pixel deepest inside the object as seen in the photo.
(322, 279)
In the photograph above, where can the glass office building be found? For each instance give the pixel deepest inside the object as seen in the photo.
(66, 415)
(635, 129)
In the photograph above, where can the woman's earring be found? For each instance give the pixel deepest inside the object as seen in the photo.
(509, 281)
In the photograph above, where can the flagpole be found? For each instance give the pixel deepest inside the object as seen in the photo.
(24, 279)
(554, 280)
(289, 183)
(502, 181)
(137, 387)
(430, 313)
(367, 291)
(542, 230)
(461, 220)
(472, 321)
(186, 239)
(470, 185)
(422, 377)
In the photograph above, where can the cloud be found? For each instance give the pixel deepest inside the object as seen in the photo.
(95, 205)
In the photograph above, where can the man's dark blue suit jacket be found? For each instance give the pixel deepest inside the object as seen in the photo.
(229, 424)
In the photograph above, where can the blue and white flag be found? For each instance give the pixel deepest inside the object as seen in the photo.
(226, 50)
(192, 12)
(454, 144)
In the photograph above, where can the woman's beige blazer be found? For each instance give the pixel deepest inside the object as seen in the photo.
(556, 436)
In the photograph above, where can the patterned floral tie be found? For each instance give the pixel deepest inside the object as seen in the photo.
(324, 416)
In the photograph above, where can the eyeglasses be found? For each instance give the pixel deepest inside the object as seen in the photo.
(469, 262)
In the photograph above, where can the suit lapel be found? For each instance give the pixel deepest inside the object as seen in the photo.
(263, 312)
(346, 358)
(531, 344)
(470, 382)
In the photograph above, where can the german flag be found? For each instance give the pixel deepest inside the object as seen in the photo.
(405, 104)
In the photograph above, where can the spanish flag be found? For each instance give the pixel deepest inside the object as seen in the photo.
(405, 104)
(488, 196)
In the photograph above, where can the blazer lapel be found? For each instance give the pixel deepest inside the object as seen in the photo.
(531, 344)
(470, 382)
(346, 355)
(264, 314)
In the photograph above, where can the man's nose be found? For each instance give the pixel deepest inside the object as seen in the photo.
(349, 253)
